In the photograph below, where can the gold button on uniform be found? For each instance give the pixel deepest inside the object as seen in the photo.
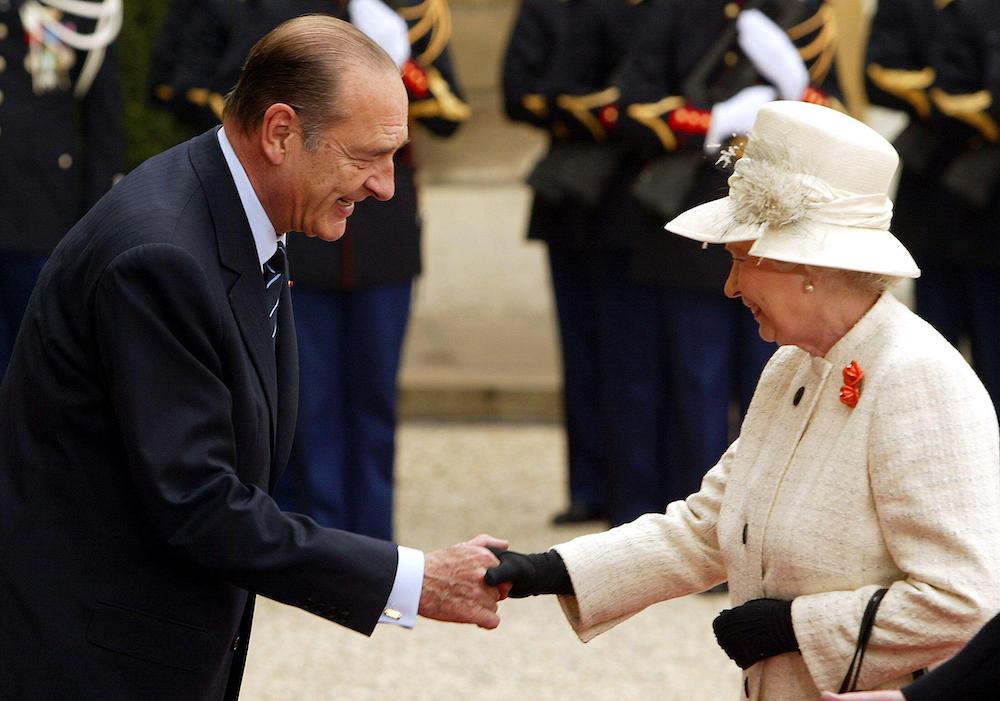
(732, 10)
(65, 161)
(731, 58)
(3, 64)
(3, 30)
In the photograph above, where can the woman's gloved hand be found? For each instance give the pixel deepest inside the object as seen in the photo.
(531, 574)
(758, 629)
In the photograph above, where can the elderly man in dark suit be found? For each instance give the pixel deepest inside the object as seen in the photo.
(151, 398)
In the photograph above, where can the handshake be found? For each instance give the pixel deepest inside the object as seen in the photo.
(464, 583)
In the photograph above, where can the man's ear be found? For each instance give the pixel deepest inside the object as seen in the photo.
(279, 126)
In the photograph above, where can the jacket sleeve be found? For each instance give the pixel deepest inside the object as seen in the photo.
(899, 71)
(619, 572)
(530, 52)
(933, 465)
(967, 65)
(187, 55)
(160, 333)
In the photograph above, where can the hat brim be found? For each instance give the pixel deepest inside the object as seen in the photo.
(808, 243)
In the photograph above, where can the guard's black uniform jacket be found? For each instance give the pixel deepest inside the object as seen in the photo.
(667, 92)
(58, 154)
(940, 63)
(900, 75)
(582, 104)
(536, 40)
(966, 92)
(382, 243)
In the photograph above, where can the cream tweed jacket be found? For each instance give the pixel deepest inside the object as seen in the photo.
(821, 504)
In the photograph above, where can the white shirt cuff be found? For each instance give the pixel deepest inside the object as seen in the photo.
(404, 599)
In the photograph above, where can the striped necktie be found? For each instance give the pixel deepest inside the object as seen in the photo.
(275, 278)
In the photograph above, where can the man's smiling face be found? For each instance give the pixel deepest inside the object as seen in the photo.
(353, 159)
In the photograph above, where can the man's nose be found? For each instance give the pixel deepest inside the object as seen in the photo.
(382, 185)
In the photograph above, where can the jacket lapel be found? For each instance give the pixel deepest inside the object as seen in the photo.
(238, 256)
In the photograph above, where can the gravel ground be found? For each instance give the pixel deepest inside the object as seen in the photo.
(456, 480)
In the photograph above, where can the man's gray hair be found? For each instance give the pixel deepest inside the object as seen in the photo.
(302, 63)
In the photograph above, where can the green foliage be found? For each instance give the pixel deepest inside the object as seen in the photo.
(148, 129)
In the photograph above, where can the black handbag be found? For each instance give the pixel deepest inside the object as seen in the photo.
(575, 173)
(662, 186)
(850, 682)
(974, 176)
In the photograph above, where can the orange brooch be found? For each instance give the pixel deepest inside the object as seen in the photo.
(850, 392)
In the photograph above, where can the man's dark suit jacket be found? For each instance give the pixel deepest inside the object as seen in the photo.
(143, 421)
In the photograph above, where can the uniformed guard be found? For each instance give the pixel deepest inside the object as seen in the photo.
(694, 76)
(567, 188)
(61, 133)
(352, 297)
(586, 215)
(939, 61)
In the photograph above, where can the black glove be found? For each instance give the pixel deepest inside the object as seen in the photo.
(758, 629)
(532, 574)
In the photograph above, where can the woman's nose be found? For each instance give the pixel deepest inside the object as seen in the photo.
(732, 288)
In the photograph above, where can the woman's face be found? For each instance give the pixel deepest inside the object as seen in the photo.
(775, 296)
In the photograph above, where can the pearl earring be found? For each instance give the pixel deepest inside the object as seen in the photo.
(808, 287)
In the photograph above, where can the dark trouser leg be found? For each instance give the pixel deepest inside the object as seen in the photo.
(576, 311)
(634, 388)
(377, 319)
(315, 482)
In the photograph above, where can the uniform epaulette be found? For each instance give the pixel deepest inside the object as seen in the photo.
(430, 19)
(971, 109)
(908, 85)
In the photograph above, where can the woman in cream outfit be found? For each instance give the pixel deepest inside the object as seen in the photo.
(868, 458)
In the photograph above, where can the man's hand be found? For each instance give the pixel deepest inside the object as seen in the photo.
(865, 696)
(454, 589)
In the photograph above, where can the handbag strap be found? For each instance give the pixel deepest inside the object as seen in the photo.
(867, 623)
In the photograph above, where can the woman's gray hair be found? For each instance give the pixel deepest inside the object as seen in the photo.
(848, 279)
(866, 282)
(302, 63)
(855, 280)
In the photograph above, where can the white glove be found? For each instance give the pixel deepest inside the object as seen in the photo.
(381, 24)
(772, 53)
(736, 115)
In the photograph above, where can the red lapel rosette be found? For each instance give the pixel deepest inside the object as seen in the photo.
(850, 393)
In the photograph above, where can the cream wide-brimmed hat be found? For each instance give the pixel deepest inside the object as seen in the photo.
(811, 188)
